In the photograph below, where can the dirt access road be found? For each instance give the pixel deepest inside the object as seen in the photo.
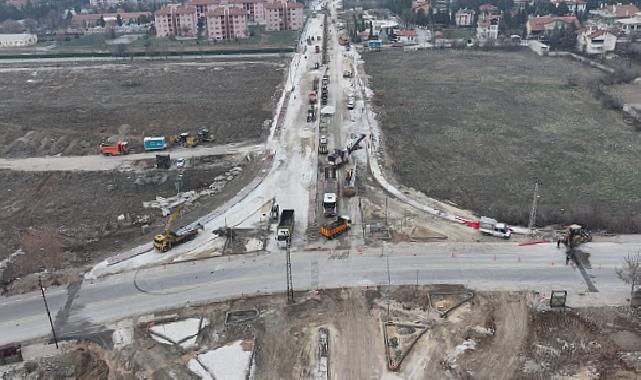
(101, 163)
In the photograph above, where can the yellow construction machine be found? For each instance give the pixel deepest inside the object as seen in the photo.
(574, 235)
(169, 238)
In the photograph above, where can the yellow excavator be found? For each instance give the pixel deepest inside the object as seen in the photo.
(164, 241)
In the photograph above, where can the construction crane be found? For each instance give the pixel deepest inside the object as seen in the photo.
(169, 238)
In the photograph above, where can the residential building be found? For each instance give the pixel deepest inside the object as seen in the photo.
(88, 21)
(487, 10)
(405, 35)
(465, 17)
(608, 14)
(596, 41)
(105, 3)
(284, 16)
(575, 6)
(17, 40)
(227, 23)
(175, 20)
(421, 4)
(488, 29)
(539, 26)
(629, 26)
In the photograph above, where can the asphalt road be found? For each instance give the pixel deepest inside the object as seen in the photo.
(489, 266)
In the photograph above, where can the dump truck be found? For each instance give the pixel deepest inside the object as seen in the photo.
(155, 143)
(492, 227)
(285, 229)
(322, 145)
(116, 149)
(337, 227)
(348, 70)
(330, 201)
(169, 238)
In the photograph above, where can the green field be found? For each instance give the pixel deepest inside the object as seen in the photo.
(480, 128)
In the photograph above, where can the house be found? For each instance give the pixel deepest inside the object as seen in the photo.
(575, 6)
(465, 17)
(405, 35)
(226, 23)
(488, 29)
(596, 41)
(17, 40)
(608, 14)
(284, 16)
(421, 4)
(629, 26)
(487, 10)
(539, 26)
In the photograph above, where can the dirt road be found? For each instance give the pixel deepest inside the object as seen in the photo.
(100, 163)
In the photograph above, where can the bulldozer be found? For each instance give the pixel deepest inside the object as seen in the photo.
(169, 238)
(574, 235)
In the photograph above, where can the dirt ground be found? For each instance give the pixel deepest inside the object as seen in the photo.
(495, 335)
(69, 109)
(70, 219)
(480, 128)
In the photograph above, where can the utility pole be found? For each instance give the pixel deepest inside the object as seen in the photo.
(389, 284)
(290, 285)
(44, 298)
(535, 203)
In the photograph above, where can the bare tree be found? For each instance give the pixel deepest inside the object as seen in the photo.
(11, 27)
(630, 273)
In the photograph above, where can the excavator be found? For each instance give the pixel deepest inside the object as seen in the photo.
(169, 238)
(574, 235)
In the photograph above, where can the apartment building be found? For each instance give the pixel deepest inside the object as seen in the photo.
(283, 16)
(254, 8)
(226, 23)
(176, 20)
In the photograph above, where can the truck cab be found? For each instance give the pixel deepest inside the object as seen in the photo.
(329, 204)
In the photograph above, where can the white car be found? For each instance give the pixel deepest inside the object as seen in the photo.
(180, 163)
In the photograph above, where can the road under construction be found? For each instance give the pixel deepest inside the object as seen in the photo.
(309, 159)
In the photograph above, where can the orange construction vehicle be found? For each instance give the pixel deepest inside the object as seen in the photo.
(342, 224)
(114, 149)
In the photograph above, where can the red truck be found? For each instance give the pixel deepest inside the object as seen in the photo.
(114, 149)
(317, 49)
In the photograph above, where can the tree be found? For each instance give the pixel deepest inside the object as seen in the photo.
(118, 20)
(371, 30)
(421, 18)
(30, 24)
(10, 27)
(201, 27)
(630, 273)
(561, 9)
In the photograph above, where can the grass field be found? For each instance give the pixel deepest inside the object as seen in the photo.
(480, 128)
(69, 109)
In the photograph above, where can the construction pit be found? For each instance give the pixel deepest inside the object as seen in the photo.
(355, 333)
